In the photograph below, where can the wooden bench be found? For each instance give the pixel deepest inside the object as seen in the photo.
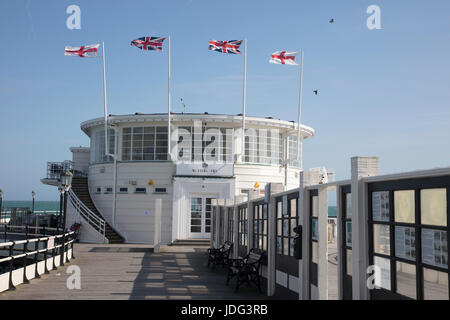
(247, 269)
(219, 256)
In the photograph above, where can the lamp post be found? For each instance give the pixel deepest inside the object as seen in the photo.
(1, 200)
(66, 184)
(59, 221)
(33, 194)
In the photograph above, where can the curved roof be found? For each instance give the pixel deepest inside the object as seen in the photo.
(212, 118)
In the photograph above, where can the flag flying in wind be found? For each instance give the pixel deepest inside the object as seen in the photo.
(283, 57)
(149, 43)
(231, 46)
(83, 51)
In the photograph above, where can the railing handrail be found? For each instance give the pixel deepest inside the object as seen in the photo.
(11, 243)
(94, 220)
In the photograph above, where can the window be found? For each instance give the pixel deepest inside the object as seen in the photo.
(243, 235)
(97, 153)
(263, 146)
(292, 148)
(346, 217)
(433, 206)
(160, 190)
(260, 225)
(140, 190)
(98, 190)
(202, 143)
(409, 237)
(230, 224)
(286, 222)
(108, 190)
(144, 143)
(123, 190)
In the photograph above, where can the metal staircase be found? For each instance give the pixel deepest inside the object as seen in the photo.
(80, 198)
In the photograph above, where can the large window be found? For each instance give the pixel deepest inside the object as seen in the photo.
(292, 148)
(409, 238)
(144, 143)
(98, 146)
(263, 146)
(204, 144)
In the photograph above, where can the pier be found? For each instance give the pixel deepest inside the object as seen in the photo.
(123, 272)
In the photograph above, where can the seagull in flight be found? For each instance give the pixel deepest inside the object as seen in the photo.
(332, 20)
(316, 92)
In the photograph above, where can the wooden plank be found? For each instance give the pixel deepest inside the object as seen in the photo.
(135, 274)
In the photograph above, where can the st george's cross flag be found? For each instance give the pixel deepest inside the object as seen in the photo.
(283, 57)
(149, 43)
(231, 46)
(90, 51)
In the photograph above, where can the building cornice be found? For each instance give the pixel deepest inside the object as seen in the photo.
(235, 120)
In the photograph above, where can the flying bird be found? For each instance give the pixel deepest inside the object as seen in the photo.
(316, 92)
(332, 20)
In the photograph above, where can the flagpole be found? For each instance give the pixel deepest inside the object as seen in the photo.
(105, 104)
(168, 103)
(244, 96)
(299, 136)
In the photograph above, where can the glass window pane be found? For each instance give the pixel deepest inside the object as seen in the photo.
(406, 279)
(279, 245)
(382, 278)
(381, 239)
(404, 206)
(279, 211)
(348, 205)
(434, 248)
(293, 207)
(314, 229)
(405, 242)
(380, 206)
(435, 284)
(286, 246)
(315, 252)
(349, 261)
(433, 206)
(315, 206)
(285, 227)
(348, 233)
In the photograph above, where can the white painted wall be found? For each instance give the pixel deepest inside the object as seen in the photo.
(135, 212)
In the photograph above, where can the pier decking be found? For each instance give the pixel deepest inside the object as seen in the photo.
(134, 272)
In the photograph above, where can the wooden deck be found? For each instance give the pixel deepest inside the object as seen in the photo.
(134, 272)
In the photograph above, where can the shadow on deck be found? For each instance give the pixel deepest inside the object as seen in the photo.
(135, 272)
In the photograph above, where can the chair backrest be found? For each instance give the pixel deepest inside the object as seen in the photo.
(254, 258)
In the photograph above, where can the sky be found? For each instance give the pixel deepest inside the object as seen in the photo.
(382, 92)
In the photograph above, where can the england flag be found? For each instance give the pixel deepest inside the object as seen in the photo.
(283, 57)
(83, 51)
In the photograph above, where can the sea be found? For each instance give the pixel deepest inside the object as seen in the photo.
(54, 206)
(38, 205)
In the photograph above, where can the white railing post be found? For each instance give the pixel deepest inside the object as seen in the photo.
(360, 167)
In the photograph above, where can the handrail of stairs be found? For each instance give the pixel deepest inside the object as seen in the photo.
(95, 221)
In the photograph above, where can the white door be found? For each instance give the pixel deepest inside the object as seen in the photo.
(200, 219)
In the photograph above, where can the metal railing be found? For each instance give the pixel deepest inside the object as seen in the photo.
(55, 169)
(20, 255)
(82, 210)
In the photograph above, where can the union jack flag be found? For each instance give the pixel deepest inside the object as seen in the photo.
(149, 43)
(231, 46)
